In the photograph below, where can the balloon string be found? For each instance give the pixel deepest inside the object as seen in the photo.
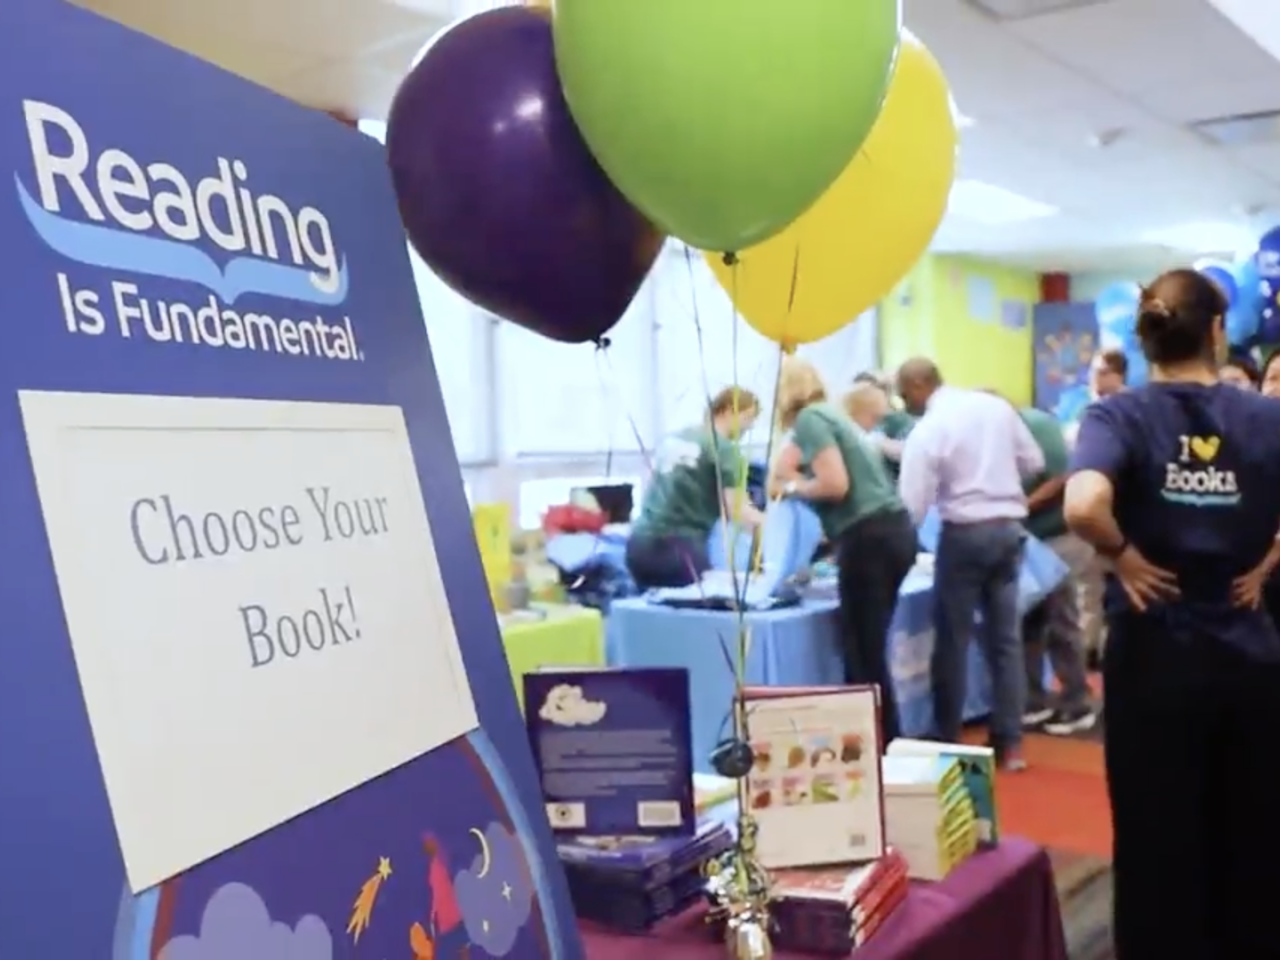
(602, 346)
(725, 520)
(785, 350)
(608, 379)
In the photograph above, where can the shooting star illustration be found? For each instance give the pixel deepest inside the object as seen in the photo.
(362, 909)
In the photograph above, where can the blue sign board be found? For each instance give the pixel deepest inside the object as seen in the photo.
(245, 712)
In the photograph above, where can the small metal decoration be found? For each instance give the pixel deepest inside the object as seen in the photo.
(732, 758)
(737, 884)
(747, 939)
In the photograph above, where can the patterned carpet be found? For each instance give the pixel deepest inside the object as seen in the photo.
(1084, 892)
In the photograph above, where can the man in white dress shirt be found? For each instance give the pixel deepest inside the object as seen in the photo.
(967, 457)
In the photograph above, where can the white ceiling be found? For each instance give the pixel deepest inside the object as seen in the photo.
(1043, 91)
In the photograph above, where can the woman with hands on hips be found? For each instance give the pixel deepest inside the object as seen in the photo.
(830, 463)
(1178, 484)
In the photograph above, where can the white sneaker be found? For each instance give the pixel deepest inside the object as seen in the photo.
(1064, 723)
(1035, 718)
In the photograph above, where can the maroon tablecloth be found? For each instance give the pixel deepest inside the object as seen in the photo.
(1000, 904)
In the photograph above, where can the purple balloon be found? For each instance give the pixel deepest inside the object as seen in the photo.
(497, 189)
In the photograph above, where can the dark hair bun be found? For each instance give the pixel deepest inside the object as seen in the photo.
(1176, 315)
(1157, 321)
(1154, 313)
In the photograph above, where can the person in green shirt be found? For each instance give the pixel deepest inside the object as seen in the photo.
(1054, 628)
(697, 479)
(897, 424)
(833, 465)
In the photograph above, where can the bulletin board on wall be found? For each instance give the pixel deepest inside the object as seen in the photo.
(1065, 336)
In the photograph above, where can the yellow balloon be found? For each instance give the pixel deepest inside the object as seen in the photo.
(849, 249)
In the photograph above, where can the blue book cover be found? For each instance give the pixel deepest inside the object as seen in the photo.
(613, 750)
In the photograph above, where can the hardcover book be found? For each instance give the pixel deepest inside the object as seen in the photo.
(815, 788)
(613, 750)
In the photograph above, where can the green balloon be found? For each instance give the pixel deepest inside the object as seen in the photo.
(724, 120)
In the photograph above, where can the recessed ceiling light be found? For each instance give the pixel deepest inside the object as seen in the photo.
(986, 203)
(1204, 237)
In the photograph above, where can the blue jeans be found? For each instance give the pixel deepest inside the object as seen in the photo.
(976, 575)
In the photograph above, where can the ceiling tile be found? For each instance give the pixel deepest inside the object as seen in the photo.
(333, 29)
(1135, 45)
(356, 88)
(399, 55)
(260, 61)
(979, 59)
(1212, 97)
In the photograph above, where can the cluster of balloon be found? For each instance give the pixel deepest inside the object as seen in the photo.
(1267, 261)
(541, 156)
(499, 194)
(1245, 313)
(1116, 309)
(849, 249)
(1239, 285)
(1221, 275)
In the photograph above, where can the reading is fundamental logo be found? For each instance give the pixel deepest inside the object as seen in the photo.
(1195, 479)
(108, 210)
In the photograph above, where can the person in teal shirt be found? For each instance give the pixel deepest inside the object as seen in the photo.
(897, 425)
(836, 467)
(697, 479)
(1054, 628)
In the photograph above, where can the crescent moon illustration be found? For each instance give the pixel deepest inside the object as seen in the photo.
(484, 852)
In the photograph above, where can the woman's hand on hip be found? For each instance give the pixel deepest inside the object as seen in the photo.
(1143, 581)
(1247, 589)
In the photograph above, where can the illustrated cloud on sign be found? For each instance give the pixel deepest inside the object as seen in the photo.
(236, 923)
(495, 894)
(568, 706)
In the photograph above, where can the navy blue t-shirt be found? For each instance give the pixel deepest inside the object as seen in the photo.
(1196, 471)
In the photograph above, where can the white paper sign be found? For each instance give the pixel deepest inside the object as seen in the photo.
(254, 603)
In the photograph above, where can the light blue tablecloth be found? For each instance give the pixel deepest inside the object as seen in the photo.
(793, 646)
(799, 646)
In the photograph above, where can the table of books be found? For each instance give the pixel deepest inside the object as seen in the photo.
(794, 646)
(1000, 903)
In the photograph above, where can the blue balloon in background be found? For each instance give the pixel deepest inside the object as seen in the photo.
(1267, 258)
(1116, 308)
(1223, 276)
(1245, 313)
(1267, 261)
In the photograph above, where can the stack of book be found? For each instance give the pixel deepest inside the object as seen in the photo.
(633, 883)
(929, 815)
(978, 764)
(833, 910)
